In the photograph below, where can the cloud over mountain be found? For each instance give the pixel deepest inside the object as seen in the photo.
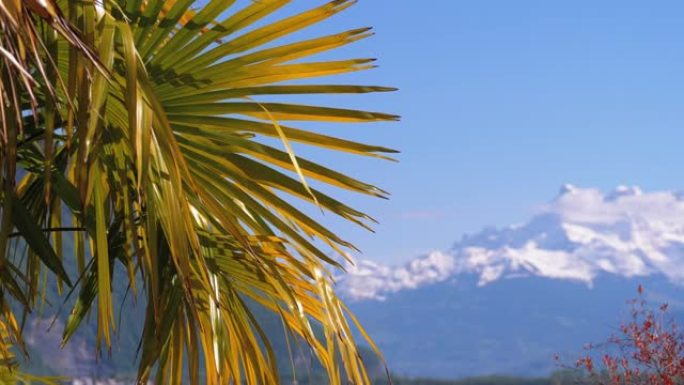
(579, 235)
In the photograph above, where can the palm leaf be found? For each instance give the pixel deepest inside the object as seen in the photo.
(153, 150)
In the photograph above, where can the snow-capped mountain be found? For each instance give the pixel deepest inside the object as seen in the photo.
(505, 300)
(579, 235)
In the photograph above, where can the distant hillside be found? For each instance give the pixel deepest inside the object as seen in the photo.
(558, 378)
(43, 334)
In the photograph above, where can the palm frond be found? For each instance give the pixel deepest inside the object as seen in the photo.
(156, 144)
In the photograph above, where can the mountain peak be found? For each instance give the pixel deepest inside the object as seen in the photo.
(567, 189)
(581, 234)
(624, 191)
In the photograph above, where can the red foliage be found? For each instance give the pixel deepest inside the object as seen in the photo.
(649, 349)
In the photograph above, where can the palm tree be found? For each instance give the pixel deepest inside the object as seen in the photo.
(138, 131)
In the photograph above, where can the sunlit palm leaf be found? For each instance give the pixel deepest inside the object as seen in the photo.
(154, 144)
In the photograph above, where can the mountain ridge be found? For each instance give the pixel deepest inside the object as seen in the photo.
(456, 329)
(580, 235)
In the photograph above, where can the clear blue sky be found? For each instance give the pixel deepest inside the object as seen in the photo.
(504, 101)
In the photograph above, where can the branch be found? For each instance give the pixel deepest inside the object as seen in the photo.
(53, 229)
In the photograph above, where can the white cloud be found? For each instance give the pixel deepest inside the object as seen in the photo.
(579, 235)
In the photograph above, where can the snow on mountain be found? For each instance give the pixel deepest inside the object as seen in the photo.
(579, 235)
(370, 280)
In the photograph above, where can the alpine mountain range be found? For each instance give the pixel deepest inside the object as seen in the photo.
(506, 300)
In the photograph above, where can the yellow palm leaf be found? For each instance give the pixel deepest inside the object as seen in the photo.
(153, 144)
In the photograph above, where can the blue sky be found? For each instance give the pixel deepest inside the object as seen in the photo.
(503, 102)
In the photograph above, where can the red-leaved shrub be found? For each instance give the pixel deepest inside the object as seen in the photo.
(648, 349)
